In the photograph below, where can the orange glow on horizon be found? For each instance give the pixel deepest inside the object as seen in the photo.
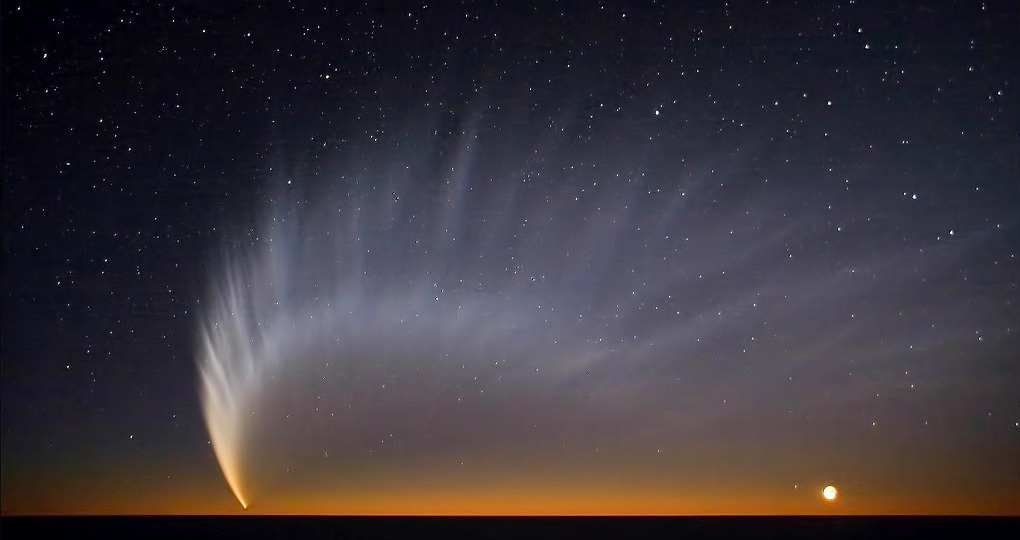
(207, 498)
(198, 489)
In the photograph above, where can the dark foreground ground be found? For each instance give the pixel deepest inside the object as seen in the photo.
(255, 527)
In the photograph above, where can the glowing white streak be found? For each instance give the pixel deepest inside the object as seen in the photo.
(231, 375)
(223, 406)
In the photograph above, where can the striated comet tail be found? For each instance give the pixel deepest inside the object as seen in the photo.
(231, 366)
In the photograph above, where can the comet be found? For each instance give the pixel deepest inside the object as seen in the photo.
(435, 307)
(367, 289)
(233, 360)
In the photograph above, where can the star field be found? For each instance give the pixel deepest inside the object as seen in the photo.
(508, 258)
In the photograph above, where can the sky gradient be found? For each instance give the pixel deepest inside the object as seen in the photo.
(508, 259)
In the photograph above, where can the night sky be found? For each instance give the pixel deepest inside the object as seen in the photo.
(493, 258)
